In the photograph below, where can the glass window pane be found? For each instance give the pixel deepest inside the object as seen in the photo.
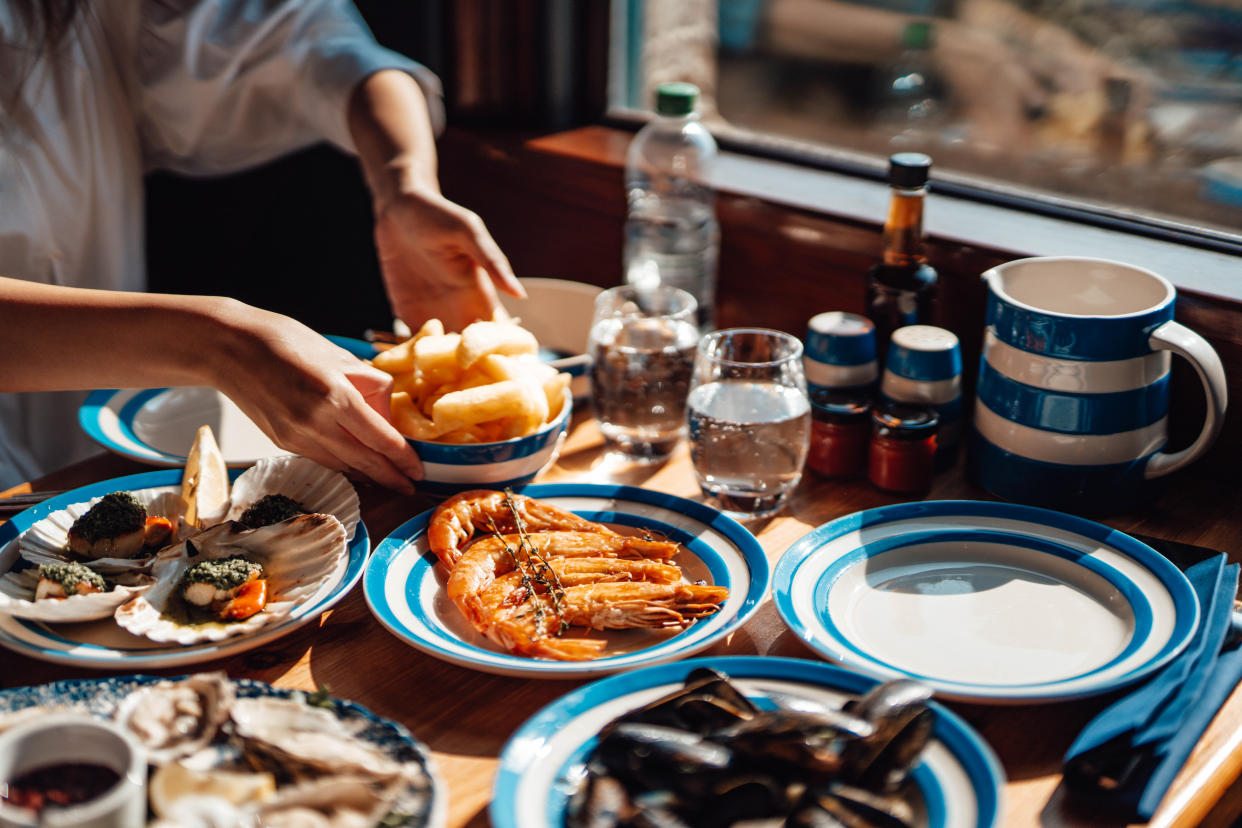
(1132, 105)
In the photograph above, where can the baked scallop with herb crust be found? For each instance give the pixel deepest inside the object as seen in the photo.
(301, 559)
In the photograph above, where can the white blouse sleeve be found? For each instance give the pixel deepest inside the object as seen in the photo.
(225, 84)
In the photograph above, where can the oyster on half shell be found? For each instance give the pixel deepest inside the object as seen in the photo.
(17, 597)
(172, 719)
(294, 735)
(316, 488)
(301, 558)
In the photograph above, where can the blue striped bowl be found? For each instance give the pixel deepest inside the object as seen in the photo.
(449, 468)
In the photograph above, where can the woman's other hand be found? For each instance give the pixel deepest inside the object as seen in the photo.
(310, 396)
(437, 257)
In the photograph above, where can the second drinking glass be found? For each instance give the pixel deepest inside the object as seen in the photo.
(642, 345)
(750, 421)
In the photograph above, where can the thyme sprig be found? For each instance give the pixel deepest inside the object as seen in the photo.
(535, 571)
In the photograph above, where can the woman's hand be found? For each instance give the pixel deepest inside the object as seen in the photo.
(438, 260)
(311, 397)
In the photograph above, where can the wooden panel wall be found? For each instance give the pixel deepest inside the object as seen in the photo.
(556, 205)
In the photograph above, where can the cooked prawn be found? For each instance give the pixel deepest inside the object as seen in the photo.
(620, 606)
(488, 558)
(629, 605)
(509, 591)
(455, 521)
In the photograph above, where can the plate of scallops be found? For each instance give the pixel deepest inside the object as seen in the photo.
(179, 566)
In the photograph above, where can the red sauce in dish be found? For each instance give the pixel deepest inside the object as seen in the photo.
(59, 785)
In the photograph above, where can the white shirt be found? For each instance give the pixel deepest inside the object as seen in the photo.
(195, 86)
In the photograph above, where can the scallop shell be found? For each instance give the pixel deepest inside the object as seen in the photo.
(173, 719)
(47, 541)
(17, 591)
(302, 557)
(293, 732)
(318, 489)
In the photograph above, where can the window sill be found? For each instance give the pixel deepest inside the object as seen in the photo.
(1007, 232)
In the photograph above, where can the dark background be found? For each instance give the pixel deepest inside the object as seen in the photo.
(294, 236)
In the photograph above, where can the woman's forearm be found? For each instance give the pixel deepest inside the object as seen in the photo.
(391, 127)
(55, 337)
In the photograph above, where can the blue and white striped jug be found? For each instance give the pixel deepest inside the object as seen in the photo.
(1073, 391)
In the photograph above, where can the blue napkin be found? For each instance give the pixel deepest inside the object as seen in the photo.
(1127, 756)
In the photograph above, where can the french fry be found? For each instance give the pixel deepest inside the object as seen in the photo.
(407, 419)
(554, 388)
(470, 406)
(482, 338)
(435, 357)
(396, 360)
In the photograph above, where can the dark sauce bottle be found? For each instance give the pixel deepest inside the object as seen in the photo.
(901, 287)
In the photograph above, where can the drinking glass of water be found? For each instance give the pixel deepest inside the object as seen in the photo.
(642, 345)
(750, 420)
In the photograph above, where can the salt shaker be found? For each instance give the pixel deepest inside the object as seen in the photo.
(924, 367)
(839, 351)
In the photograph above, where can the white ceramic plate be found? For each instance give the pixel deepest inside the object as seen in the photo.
(987, 602)
(426, 799)
(405, 588)
(102, 644)
(158, 425)
(959, 780)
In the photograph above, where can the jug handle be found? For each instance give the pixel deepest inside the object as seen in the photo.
(1175, 337)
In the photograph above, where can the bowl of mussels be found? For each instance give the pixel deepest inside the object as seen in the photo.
(708, 743)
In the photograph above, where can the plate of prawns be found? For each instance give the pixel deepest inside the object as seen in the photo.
(565, 580)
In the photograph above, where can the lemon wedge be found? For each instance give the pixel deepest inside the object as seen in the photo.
(205, 484)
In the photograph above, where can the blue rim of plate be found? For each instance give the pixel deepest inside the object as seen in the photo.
(1041, 530)
(401, 582)
(63, 650)
(100, 696)
(125, 404)
(530, 746)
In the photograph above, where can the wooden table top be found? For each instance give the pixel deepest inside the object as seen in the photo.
(465, 716)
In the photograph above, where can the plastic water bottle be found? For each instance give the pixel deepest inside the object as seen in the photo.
(671, 234)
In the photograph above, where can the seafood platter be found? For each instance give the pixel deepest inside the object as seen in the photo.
(171, 567)
(243, 753)
(713, 742)
(565, 580)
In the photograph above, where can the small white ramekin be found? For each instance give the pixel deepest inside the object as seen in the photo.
(61, 738)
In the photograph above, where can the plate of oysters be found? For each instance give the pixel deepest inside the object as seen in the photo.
(177, 567)
(238, 752)
(747, 740)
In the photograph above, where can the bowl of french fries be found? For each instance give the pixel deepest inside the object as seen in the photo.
(478, 406)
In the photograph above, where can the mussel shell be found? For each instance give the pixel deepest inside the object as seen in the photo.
(903, 727)
(600, 801)
(706, 702)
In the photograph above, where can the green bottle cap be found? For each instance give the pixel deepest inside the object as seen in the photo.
(676, 98)
(917, 35)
